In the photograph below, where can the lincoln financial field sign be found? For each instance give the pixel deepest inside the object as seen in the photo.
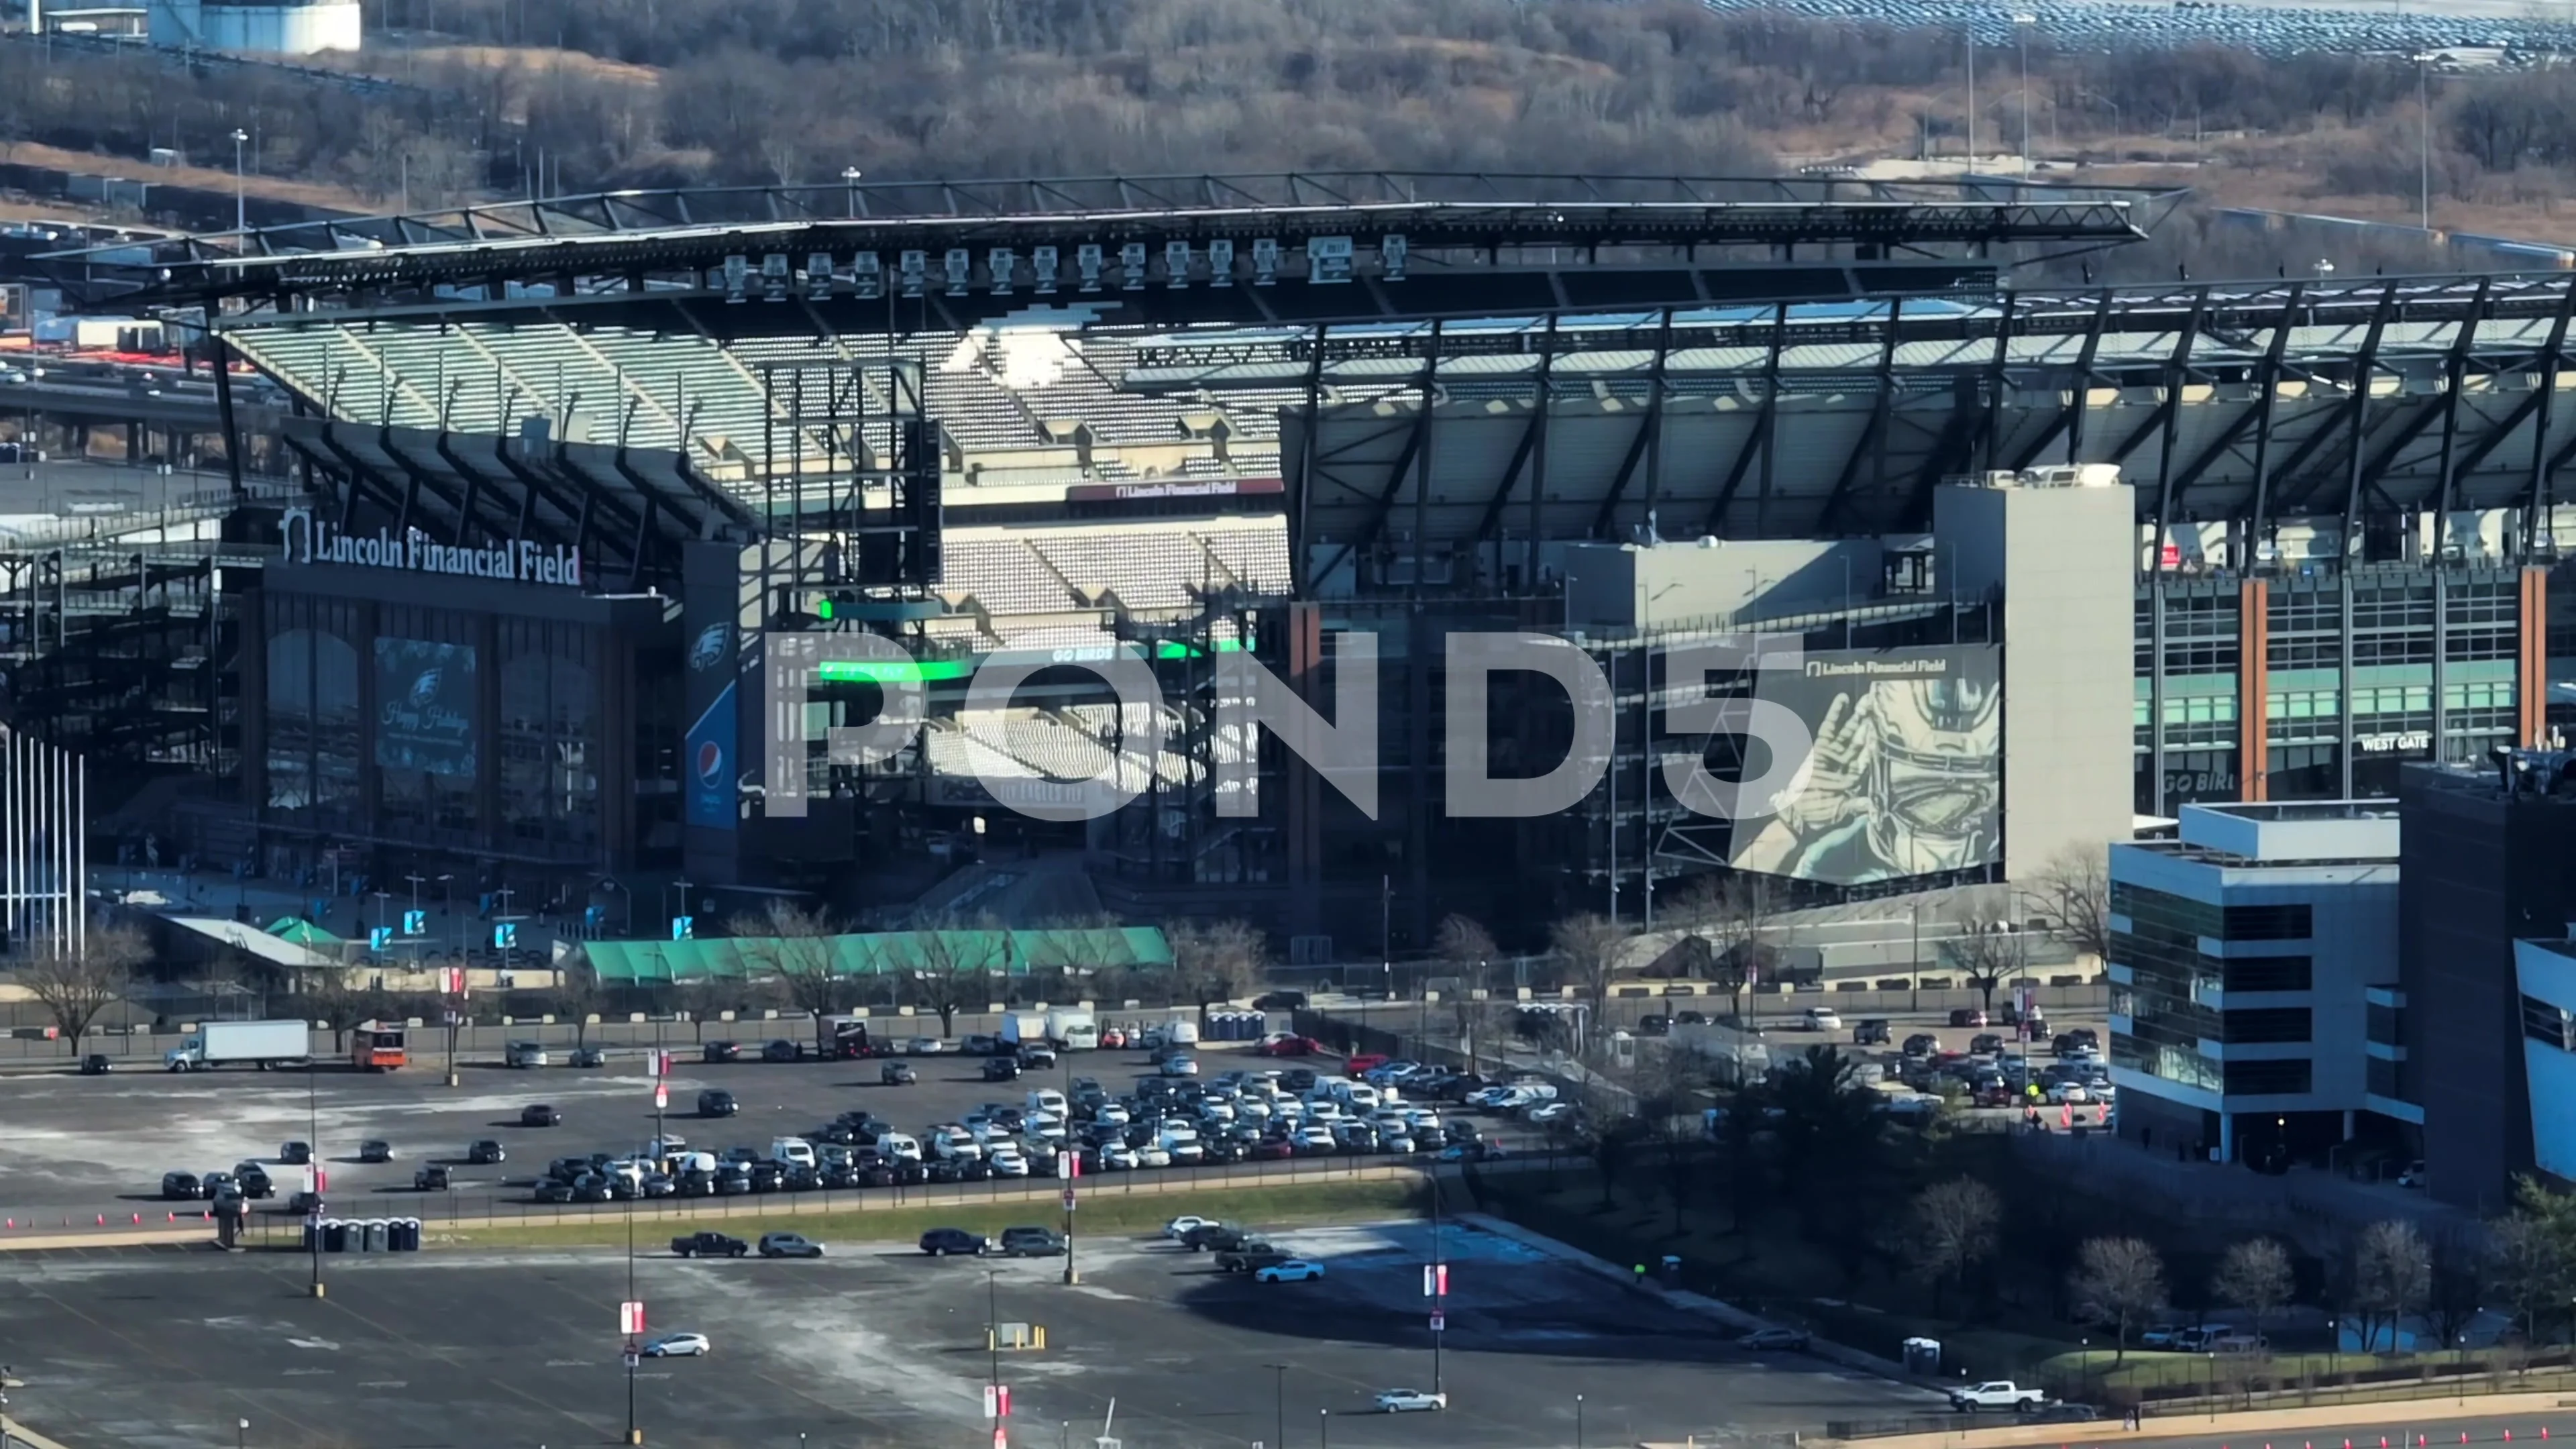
(1816, 745)
(310, 540)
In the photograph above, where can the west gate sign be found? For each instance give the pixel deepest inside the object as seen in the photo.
(310, 540)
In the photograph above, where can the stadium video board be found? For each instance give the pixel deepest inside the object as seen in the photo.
(1906, 774)
(425, 706)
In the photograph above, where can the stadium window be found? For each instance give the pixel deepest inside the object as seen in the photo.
(2269, 1079)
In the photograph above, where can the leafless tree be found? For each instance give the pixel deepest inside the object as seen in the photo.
(1741, 928)
(1469, 950)
(2117, 1282)
(1215, 961)
(1592, 947)
(577, 997)
(954, 967)
(2392, 1276)
(1953, 1230)
(330, 997)
(2076, 888)
(1989, 951)
(793, 945)
(76, 984)
(2255, 1275)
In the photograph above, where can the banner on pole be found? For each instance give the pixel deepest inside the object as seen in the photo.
(630, 1317)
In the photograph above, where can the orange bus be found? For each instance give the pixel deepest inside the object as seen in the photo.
(375, 1048)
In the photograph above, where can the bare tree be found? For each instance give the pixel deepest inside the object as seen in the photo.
(1470, 950)
(329, 997)
(1952, 1230)
(2527, 1270)
(1591, 946)
(1740, 931)
(2255, 1275)
(2392, 1276)
(2117, 1282)
(74, 985)
(793, 945)
(2076, 888)
(1214, 962)
(953, 967)
(1988, 951)
(577, 997)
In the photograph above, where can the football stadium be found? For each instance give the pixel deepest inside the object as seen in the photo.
(553, 479)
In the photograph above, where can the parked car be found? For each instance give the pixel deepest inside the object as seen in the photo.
(1823, 1018)
(485, 1151)
(1032, 1242)
(2414, 1175)
(295, 1154)
(709, 1244)
(1922, 1044)
(715, 1102)
(181, 1187)
(1967, 1016)
(1872, 1031)
(1001, 1069)
(782, 1050)
(721, 1051)
(589, 1056)
(941, 1242)
(1774, 1340)
(1996, 1394)
(789, 1245)
(375, 1149)
(1280, 1001)
(1401, 1401)
(678, 1345)
(1295, 1270)
(540, 1114)
(95, 1064)
(433, 1178)
(897, 1074)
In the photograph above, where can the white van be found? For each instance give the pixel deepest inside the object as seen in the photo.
(685, 1162)
(791, 1152)
(1360, 1097)
(1049, 1100)
(898, 1147)
(956, 1144)
(1181, 1033)
(1181, 1140)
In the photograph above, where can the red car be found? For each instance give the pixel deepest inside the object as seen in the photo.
(1289, 1044)
(1365, 1061)
(1271, 1149)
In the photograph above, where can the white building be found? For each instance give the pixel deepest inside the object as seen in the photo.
(2254, 982)
(275, 29)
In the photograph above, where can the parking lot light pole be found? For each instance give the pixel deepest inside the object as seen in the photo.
(1578, 1421)
(241, 1434)
(634, 1431)
(1278, 1402)
(1324, 1434)
(313, 1167)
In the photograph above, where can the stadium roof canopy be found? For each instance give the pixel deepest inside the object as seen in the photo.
(894, 953)
(1296, 246)
(2257, 402)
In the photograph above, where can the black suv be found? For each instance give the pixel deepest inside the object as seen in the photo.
(940, 1242)
(1001, 1069)
(716, 1102)
(1252, 1257)
(538, 1114)
(722, 1051)
(1032, 1243)
(1872, 1031)
(486, 1151)
(781, 1050)
(181, 1186)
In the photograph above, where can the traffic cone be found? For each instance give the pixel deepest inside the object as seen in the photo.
(102, 1220)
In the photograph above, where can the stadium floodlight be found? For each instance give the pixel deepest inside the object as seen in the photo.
(818, 276)
(1265, 260)
(960, 267)
(1176, 264)
(773, 277)
(913, 267)
(1131, 266)
(1391, 251)
(1001, 262)
(1042, 264)
(850, 179)
(1086, 261)
(737, 273)
(1220, 263)
(867, 275)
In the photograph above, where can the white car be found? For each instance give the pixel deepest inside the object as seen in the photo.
(1546, 1112)
(1153, 1154)
(2074, 1094)
(1043, 1127)
(1005, 1161)
(924, 1046)
(678, 1345)
(1118, 1157)
(1295, 1270)
(1180, 1226)
(1405, 1401)
(1823, 1018)
(1178, 1065)
(1112, 1114)
(1317, 1138)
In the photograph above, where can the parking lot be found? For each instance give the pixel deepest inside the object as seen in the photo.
(81, 1147)
(877, 1344)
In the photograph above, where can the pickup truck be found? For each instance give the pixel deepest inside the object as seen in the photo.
(1997, 1394)
(709, 1245)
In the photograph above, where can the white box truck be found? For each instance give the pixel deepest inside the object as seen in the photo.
(263, 1044)
(1073, 1031)
(1024, 1028)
